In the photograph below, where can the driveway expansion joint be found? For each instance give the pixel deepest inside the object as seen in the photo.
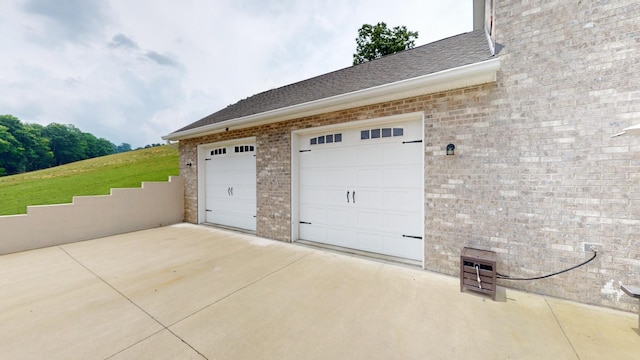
(134, 304)
(555, 317)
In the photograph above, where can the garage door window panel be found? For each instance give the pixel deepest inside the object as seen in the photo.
(382, 172)
(230, 188)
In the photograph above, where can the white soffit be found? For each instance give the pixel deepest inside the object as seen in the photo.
(469, 75)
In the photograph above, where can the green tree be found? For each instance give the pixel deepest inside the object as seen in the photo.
(375, 41)
(104, 147)
(124, 147)
(68, 144)
(29, 150)
(28, 147)
(11, 153)
(38, 152)
(12, 158)
(97, 147)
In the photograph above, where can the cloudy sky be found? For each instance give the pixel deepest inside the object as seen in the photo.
(134, 70)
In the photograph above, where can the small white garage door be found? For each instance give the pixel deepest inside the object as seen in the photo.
(230, 190)
(362, 188)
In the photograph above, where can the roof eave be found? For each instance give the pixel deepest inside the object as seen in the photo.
(468, 75)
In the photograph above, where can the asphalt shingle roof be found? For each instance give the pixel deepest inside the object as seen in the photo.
(449, 53)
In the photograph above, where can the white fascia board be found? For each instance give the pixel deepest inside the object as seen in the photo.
(632, 130)
(463, 76)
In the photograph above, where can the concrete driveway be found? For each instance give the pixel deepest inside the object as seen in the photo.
(194, 292)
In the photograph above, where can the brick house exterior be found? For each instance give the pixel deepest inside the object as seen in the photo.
(536, 173)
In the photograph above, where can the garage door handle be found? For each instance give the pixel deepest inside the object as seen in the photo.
(353, 196)
(231, 191)
(347, 196)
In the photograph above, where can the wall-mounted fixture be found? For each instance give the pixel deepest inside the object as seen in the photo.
(450, 149)
(189, 164)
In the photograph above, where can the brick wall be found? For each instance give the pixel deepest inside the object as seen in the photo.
(535, 175)
(273, 163)
(587, 86)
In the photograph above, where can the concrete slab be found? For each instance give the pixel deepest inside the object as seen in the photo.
(329, 306)
(52, 308)
(194, 292)
(175, 271)
(598, 333)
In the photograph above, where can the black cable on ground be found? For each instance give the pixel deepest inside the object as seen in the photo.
(507, 277)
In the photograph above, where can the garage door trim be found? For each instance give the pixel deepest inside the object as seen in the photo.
(296, 147)
(203, 154)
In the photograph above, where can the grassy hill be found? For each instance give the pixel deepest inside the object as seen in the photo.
(96, 176)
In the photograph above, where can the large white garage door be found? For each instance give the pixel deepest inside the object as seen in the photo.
(363, 189)
(230, 190)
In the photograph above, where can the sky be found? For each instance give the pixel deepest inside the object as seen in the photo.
(133, 71)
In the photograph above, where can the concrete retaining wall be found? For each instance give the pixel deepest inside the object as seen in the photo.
(89, 217)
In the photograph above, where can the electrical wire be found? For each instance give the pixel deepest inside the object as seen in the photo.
(507, 277)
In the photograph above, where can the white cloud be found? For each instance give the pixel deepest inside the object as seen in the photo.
(122, 41)
(66, 20)
(132, 71)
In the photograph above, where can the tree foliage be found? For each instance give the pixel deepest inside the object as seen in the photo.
(28, 147)
(124, 147)
(376, 41)
(11, 151)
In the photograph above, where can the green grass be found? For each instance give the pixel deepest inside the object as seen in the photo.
(96, 176)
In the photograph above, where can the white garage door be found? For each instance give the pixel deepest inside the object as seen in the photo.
(230, 190)
(363, 189)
